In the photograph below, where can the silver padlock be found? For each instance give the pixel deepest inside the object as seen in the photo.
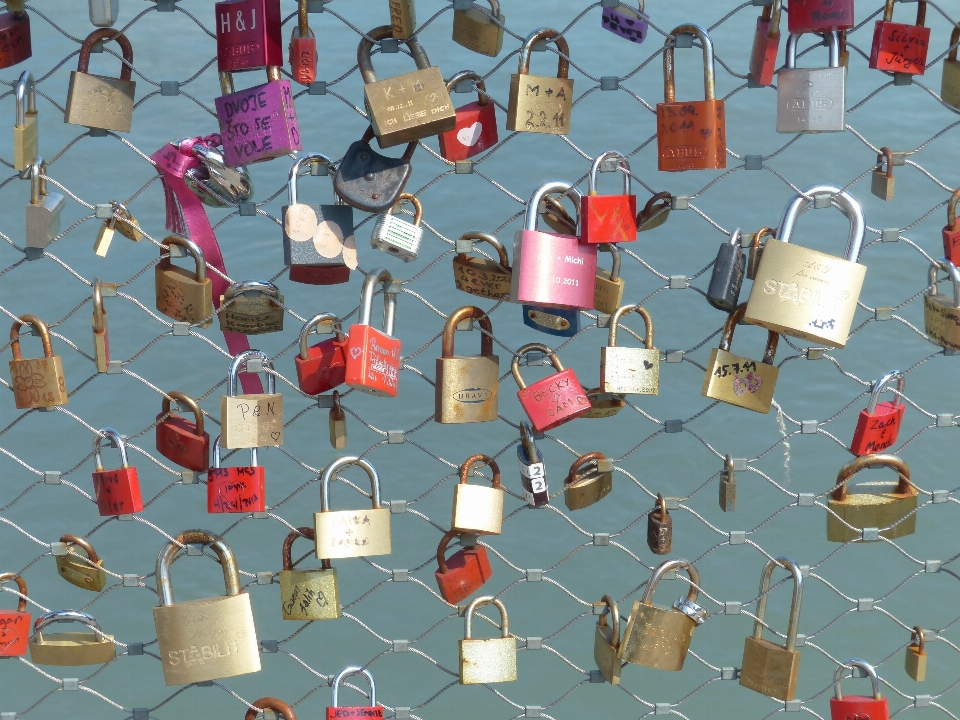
(103, 13)
(811, 99)
(43, 210)
(395, 236)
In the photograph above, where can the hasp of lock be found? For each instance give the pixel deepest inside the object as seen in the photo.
(879, 423)
(15, 624)
(482, 277)
(258, 123)
(98, 101)
(370, 181)
(480, 30)
(25, 135)
(371, 711)
(251, 307)
(396, 236)
(303, 47)
(585, 486)
(84, 572)
(889, 507)
(811, 99)
(609, 218)
(533, 476)
(464, 572)
(179, 440)
(857, 706)
(478, 509)
(36, 382)
(351, 533)
(70, 648)
(627, 23)
(15, 46)
(630, 370)
(820, 15)
(235, 489)
(941, 312)
(467, 386)
(248, 34)
(490, 660)
(42, 217)
(606, 641)
(251, 420)
(951, 231)
(117, 491)
(308, 594)
(475, 128)
(541, 103)
(323, 366)
(282, 709)
(181, 295)
(556, 399)
(373, 357)
(766, 44)
(950, 82)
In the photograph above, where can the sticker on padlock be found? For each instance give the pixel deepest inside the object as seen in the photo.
(857, 707)
(99, 101)
(541, 103)
(609, 218)
(248, 34)
(373, 356)
(15, 624)
(554, 400)
(464, 572)
(898, 47)
(475, 128)
(235, 489)
(395, 236)
(482, 277)
(179, 440)
(811, 99)
(251, 420)
(467, 386)
(479, 31)
(941, 311)
(627, 23)
(766, 43)
(117, 491)
(258, 123)
(879, 424)
(533, 475)
(303, 47)
(36, 382)
(323, 366)
(181, 295)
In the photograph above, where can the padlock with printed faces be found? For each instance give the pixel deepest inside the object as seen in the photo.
(236, 489)
(370, 181)
(84, 572)
(879, 423)
(951, 231)
(467, 386)
(251, 307)
(541, 103)
(371, 711)
(70, 648)
(589, 480)
(464, 572)
(15, 44)
(626, 22)
(812, 99)
(609, 218)
(554, 400)
(99, 101)
(890, 506)
(475, 129)
(25, 137)
(258, 123)
(101, 338)
(396, 236)
(766, 44)
(44, 209)
(489, 660)
(482, 277)
(941, 311)
(351, 533)
(533, 476)
(950, 82)
(373, 356)
(15, 624)
(248, 34)
(478, 509)
(849, 707)
(820, 15)
(727, 275)
(36, 382)
(117, 491)
(323, 366)
(184, 442)
(883, 183)
(254, 419)
(606, 641)
(181, 295)
(308, 594)
(480, 30)
(608, 292)
(303, 47)
(630, 370)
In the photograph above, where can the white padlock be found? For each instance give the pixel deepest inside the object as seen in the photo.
(395, 236)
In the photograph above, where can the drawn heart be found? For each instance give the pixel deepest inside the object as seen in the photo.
(356, 352)
(753, 382)
(275, 436)
(469, 135)
(739, 386)
(431, 97)
(647, 364)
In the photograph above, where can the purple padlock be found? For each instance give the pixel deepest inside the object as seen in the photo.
(259, 123)
(625, 22)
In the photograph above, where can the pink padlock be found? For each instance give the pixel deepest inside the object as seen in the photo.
(259, 123)
(550, 269)
(248, 34)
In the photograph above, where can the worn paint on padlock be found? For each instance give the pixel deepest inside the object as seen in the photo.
(248, 34)
(179, 440)
(307, 594)
(373, 356)
(627, 23)
(36, 382)
(659, 528)
(898, 47)
(541, 103)
(117, 491)
(351, 533)
(464, 572)
(99, 101)
(15, 624)
(609, 218)
(251, 307)
(553, 401)
(879, 423)
(886, 505)
(477, 31)
(480, 276)
(475, 128)
(259, 123)
(467, 386)
(584, 487)
(491, 660)
(323, 366)
(820, 15)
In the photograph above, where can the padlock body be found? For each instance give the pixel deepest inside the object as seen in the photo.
(15, 44)
(691, 135)
(941, 320)
(659, 532)
(916, 663)
(533, 479)
(812, 15)
(899, 48)
(587, 490)
(763, 56)
(629, 370)
(248, 34)
(395, 236)
(482, 277)
(25, 141)
(118, 491)
(253, 314)
(322, 244)
(769, 669)
(727, 278)
(476, 31)
(310, 594)
(303, 56)
(38, 382)
(657, 637)
(258, 124)
(740, 381)
(805, 293)
(606, 654)
(487, 661)
(77, 572)
(608, 218)
(950, 86)
(877, 431)
(338, 429)
(254, 420)
(101, 347)
(561, 322)
(628, 24)
(857, 707)
(540, 104)
(951, 238)
(553, 401)
(728, 493)
(43, 219)
(655, 217)
(353, 533)
(181, 297)
(467, 570)
(72, 649)
(467, 389)
(872, 504)
(15, 630)
(474, 132)
(477, 509)
(207, 639)
(98, 101)
(607, 293)
(882, 186)
(325, 367)
(355, 711)
(408, 107)
(369, 181)
(373, 361)
(811, 100)
(553, 270)
(236, 490)
(178, 441)
(103, 13)
(604, 405)
(326, 274)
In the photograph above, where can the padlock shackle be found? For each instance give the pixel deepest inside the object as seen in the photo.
(735, 237)
(916, 635)
(286, 552)
(624, 310)
(192, 249)
(226, 79)
(726, 337)
(38, 186)
(459, 77)
(98, 311)
(615, 255)
(184, 401)
(467, 468)
(954, 39)
(794, 623)
(771, 13)
(879, 386)
(940, 264)
(728, 466)
(955, 198)
(614, 614)
(114, 436)
(241, 287)
(39, 328)
(329, 474)
(669, 83)
(365, 48)
(553, 186)
(417, 207)
(531, 347)
(169, 554)
(595, 168)
(303, 27)
(832, 40)
(293, 178)
(885, 154)
(481, 602)
(852, 663)
(240, 361)
(841, 200)
(921, 19)
(22, 585)
(106, 34)
(563, 50)
(311, 324)
(661, 506)
(367, 291)
(272, 703)
(216, 455)
(407, 153)
(67, 616)
(458, 316)
(442, 550)
(665, 567)
(589, 457)
(904, 485)
(354, 670)
(528, 441)
(26, 90)
(649, 211)
(83, 544)
(493, 242)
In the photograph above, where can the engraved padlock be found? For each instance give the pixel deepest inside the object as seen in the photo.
(660, 528)
(308, 594)
(811, 99)
(589, 480)
(373, 356)
(480, 276)
(255, 419)
(480, 30)
(70, 648)
(820, 15)
(467, 386)
(117, 491)
(183, 296)
(562, 322)
(477, 509)
(396, 236)
(303, 47)
(248, 34)
(251, 307)
(25, 139)
(99, 101)
(36, 382)
(630, 370)
(84, 572)
(886, 505)
(541, 103)
(351, 533)
(43, 210)
(941, 312)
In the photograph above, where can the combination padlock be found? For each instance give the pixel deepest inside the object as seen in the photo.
(395, 236)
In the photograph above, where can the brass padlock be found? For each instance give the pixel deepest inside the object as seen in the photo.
(181, 295)
(630, 370)
(36, 382)
(950, 82)
(603, 405)
(71, 648)
(941, 312)
(491, 660)
(467, 388)
(121, 221)
(916, 660)
(101, 341)
(608, 294)
(477, 509)
(338, 423)
(84, 572)
(655, 212)
(756, 251)
(882, 183)
(480, 276)
(606, 642)
(403, 18)
(659, 528)
(728, 486)
(98, 101)
(251, 307)
(541, 103)
(254, 420)
(208, 638)
(584, 487)
(659, 637)
(769, 668)
(25, 140)
(351, 533)
(879, 504)
(555, 215)
(478, 30)
(308, 594)
(43, 210)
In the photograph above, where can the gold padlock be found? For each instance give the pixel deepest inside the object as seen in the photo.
(126, 223)
(659, 637)
(941, 316)
(603, 405)
(630, 370)
(882, 183)
(880, 504)
(482, 277)
(478, 509)
(251, 307)
(351, 533)
(403, 18)
(655, 212)
(756, 251)
(71, 648)
(916, 660)
(308, 594)
(950, 82)
(101, 341)
(84, 572)
(609, 289)
(728, 486)
(207, 638)
(738, 380)
(467, 386)
(555, 215)
(255, 419)
(606, 642)
(490, 660)
(37, 382)
(540, 103)
(582, 488)
(98, 101)
(25, 139)
(338, 423)
(478, 30)
(181, 295)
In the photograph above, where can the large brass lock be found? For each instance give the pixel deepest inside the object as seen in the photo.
(251, 307)
(351, 533)
(84, 572)
(98, 101)
(256, 419)
(468, 386)
(37, 382)
(308, 594)
(584, 487)
(606, 642)
(480, 276)
(490, 660)
(477, 509)
(71, 648)
(541, 103)
(630, 370)
(184, 296)
(880, 504)
(941, 312)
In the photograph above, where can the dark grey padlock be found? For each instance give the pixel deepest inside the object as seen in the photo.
(727, 277)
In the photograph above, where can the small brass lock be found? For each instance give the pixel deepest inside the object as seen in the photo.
(181, 295)
(585, 487)
(307, 594)
(889, 507)
(606, 642)
(37, 382)
(71, 648)
(84, 572)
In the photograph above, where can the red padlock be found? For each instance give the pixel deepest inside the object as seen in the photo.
(373, 357)
(476, 124)
(609, 218)
(805, 16)
(766, 44)
(554, 400)
(858, 707)
(248, 35)
(879, 424)
(235, 489)
(464, 573)
(323, 366)
(951, 231)
(303, 48)
(117, 491)
(15, 44)
(362, 712)
(898, 47)
(180, 440)
(15, 624)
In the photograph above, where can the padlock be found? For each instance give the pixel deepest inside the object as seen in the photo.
(464, 572)
(477, 509)
(844, 52)
(371, 711)
(658, 637)
(258, 123)
(491, 660)
(14, 35)
(541, 103)
(480, 30)
(318, 240)
(691, 135)
(659, 528)
(766, 44)
(370, 181)
(251, 307)
(738, 380)
(84, 572)
(941, 314)
(179, 440)
(880, 504)
(183, 296)
(769, 668)
(279, 707)
(584, 487)
(210, 179)
(373, 356)
(756, 251)
(103, 13)
(879, 424)
(951, 231)
(251, 420)
(396, 236)
(70, 648)
(308, 594)
(338, 424)
(950, 82)
(323, 366)
(208, 638)
(533, 476)
(37, 382)
(25, 139)
(857, 707)
(882, 183)
(482, 277)
(475, 128)
(603, 405)
(555, 215)
(606, 642)
(609, 218)
(915, 663)
(235, 489)
(554, 400)
(553, 321)
(811, 99)
(351, 533)
(630, 370)
(303, 47)
(117, 491)
(608, 291)
(15, 624)
(728, 486)
(99, 101)
(398, 117)
(550, 269)
(805, 293)
(467, 386)
(819, 15)
(121, 221)
(101, 340)
(727, 276)
(403, 19)
(43, 210)
(655, 212)
(248, 34)
(629, 24)
(900, 48)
